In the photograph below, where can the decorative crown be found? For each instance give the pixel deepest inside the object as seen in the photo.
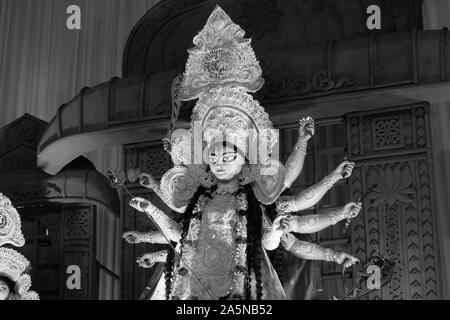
(222, 56)
(231, 114)
(22, 289)
(220, 71)
(12, 263)
(10, 226)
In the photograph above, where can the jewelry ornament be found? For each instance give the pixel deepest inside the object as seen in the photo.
(13, 265)
(10, 226)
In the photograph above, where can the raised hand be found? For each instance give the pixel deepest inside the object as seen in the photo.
(132, 237)
(146, 180)
(306, 128)
(139, 204)
(352, 209)
(345, 169)
(167, 145)
(344, 258)
(282, 223)
(146, 261)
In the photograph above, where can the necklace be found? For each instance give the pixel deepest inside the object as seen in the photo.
(228, 188)
(240, 275)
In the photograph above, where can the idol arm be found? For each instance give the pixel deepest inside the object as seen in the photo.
(295, 162)
(134, 237)
(146, 180)
(316, 222)
(169, 227)
(311, 251)
(312, 195)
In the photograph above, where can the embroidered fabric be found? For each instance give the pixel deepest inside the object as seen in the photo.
(217, 254)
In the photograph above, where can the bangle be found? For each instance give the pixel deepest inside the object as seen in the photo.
(329, 255)
(301, 145)
(286, 204)
(330, 180)
(336, 216)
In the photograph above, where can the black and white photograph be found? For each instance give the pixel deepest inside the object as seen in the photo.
(224, 150)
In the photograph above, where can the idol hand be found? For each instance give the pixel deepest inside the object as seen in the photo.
(146, 261)
(306, 128)
(347, 259)
(352, 209)
(132, 237)
(281, 223)
(139, 204)
(345, 169)
(167, 145)
(146, 180)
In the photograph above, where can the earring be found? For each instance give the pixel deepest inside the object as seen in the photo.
(245, 176)
(208, 180)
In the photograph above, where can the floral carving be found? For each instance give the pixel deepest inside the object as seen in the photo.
(388, 132)
(322, 81)
(296, 86)
(77, 223)
(393, 183)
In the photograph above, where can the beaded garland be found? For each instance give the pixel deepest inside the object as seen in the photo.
(188, 248)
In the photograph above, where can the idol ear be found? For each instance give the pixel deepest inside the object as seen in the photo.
(268, 181)
(180, 183)
(208, 180)
(246, 176)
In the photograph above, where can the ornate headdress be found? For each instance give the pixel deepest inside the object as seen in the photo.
(221, 71)
(13, 265)
(10, 227)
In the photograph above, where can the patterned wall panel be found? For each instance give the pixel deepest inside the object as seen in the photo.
(150, 158)
(77, 223)
(79, 250)
(392, 155)
(378, 133)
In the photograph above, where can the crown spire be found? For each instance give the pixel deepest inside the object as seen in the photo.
(221, 57)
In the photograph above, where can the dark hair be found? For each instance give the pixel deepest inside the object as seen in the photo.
(254, 250)
(9, 283)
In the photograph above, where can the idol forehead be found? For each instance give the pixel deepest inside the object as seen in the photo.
(223, 147)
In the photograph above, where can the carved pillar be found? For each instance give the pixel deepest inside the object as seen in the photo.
(392, 150)
(78, 238)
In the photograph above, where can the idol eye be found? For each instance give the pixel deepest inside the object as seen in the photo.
(212, 159)
(229, 158)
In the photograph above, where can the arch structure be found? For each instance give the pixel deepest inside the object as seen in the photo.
(25, 184)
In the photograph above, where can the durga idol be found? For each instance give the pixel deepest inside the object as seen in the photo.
(228, 192)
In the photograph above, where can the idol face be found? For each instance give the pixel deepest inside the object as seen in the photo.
(4, 290)
(225, 161)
